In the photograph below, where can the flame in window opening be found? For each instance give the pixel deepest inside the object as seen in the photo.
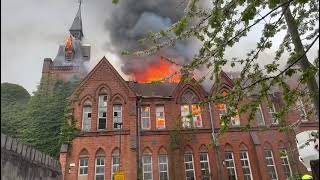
(69, 44)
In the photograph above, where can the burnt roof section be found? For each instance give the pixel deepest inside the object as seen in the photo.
(153, 89)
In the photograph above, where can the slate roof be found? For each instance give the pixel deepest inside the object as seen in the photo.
(153, 89)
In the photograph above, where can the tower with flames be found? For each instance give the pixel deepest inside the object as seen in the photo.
(71, 59)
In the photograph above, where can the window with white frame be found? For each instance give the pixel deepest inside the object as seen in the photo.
(86, 124)
(245, 163)
(229, 160)
(272, 112)
(117, 116)
(145, 117)
(160, 118)
(205, 166)
(163, 167)
(259, 116)
(270, 165)
(189, 167)
(301, 109)
(102, 112)
(83, 166)
(100, 168)
(115, 163)
(285, 163)
(147, 167)
(191, 116)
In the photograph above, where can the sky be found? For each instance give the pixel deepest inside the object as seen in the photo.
(32, 30)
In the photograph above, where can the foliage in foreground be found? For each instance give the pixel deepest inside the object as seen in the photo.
(14, 99)
(41, 121)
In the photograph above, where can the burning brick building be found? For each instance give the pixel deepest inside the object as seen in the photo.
(144, 129)
(131, 126)
(69, 64)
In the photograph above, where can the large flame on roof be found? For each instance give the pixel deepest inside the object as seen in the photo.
(69, 43)
(163, 71)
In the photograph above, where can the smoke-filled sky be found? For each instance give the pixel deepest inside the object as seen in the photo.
(32, 30)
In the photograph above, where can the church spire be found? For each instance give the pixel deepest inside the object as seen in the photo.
(76, 27)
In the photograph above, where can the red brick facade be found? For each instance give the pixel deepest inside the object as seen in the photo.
(136, 142)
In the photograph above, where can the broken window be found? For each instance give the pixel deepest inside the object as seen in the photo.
(102, 114)
(117, 116)
(86, 126)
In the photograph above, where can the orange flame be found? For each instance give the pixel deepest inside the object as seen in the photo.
(69, 43)
(158, 72)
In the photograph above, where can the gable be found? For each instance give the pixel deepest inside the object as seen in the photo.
(103, 74)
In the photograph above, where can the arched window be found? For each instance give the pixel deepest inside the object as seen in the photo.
(285, 160)
(83, 164)
(245, 162)
(163, 164)
(269, 158)
(115, 161)
(147, 165)
(224, 108)
(190, 110)
(102, 109)
(189, 163)
(86, 120)
(117, 114)
(100, 164)
(204, 163)
(230, 163)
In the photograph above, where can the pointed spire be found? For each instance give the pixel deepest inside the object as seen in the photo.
(76, 28)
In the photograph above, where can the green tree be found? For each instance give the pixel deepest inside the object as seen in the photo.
(224, 25)
(221, 27)
(45, 117)
(13, 102)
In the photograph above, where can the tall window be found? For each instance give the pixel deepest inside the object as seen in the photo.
(205, 167)
(229, 159)
(83, 168)
(83, 164)
(102, 112)
(272, 112)
(86, 124)
(115, 162)
(222, 108)
(301, 109)
(190, 111)
(235, 120)
(163, 167)
(147, 167)
(117, 116)
(189, 166)
(285, 163)
(145, 117)
(259, 116)
(270, 164)
(100, 164)
(191, 115)
(160, 119)
(245, 163)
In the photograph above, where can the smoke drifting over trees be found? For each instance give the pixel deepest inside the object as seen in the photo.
(133, 20)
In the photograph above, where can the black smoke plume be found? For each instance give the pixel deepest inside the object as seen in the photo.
(134, 19)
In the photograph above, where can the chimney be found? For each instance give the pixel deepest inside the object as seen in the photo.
(47, 62)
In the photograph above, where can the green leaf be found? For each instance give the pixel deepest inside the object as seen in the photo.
(115, 1)
(182, 24)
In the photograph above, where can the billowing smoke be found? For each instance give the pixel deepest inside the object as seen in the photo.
(134, 19)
